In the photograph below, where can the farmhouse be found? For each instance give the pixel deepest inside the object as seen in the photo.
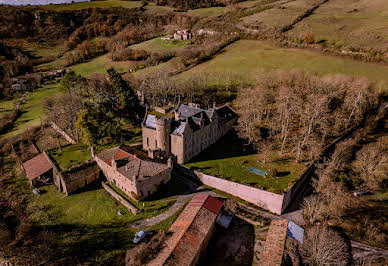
(191, 131)
(138, 178)
(191, 232)
(183, 35)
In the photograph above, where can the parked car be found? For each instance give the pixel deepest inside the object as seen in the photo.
(140, 236)
(359, 193)
(36, 191)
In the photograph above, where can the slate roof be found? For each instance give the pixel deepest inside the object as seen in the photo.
(130, 165)
(194, 118)
(37, 166)
(150, 121)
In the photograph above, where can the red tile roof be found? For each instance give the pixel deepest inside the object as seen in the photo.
(212, 204)
(205, 200)
(37, 166)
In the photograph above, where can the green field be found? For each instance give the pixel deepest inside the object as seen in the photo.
(278, 17)
(249, 58)
(100, 65)
(32, 110)
(160, 45)
(98, 4)
(208, 11)
(226, 160)
(355, 23)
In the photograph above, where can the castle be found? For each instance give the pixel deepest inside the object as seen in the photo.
(190, 131)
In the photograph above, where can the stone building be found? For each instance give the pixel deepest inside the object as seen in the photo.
(76, 177)
(190, 233)
(183, 35)
(138, 178)
(275, 250)
(190, 131)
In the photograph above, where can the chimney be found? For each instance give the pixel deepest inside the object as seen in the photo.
(214, 105)
(170, 163)
(114, 164)
(92, 151)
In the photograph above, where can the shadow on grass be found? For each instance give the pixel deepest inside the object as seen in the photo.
(228, 146)
(92, 243)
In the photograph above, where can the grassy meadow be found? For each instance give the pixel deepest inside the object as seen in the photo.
(159, 45)
(32, 110)
(249, 58)
(98, 4)
(100, 65)
(348, 22)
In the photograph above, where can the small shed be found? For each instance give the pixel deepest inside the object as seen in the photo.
(39, 170)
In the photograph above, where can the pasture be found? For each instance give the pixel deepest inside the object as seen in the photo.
(249, 58)
(97, 4)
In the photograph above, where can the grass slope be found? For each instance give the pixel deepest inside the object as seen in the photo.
(249, 58)
(32, 111)
(157, 44)
(100, 65)
(98, 4)
(7, 105)
(357, 23)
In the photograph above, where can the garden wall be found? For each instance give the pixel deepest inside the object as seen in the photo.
(63, 133)
(264, 199)
(118, 197)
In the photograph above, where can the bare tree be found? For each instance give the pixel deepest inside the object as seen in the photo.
(324, 246)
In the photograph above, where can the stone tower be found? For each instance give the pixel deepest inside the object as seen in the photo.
(163, 130)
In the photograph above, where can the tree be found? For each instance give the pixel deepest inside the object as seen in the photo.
(324, 246)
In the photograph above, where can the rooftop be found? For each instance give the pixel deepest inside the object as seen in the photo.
(189, 231)
(37, 166)
(130, 165)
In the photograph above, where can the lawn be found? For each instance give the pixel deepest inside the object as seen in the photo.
(157, 44)
(228, 160)
(32, 110)
(100, 65)
(355, 23)
(70, 155)
(98, 4)
(249, 58)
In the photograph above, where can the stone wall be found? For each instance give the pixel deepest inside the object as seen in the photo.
(79, 176)
(63, 133)
(267, 200)
(298, 187)
(264, 199)
(118, 197)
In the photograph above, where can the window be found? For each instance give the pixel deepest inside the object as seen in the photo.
(148, 142)
(156, 144)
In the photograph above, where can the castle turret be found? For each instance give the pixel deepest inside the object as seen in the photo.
(163, 130)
